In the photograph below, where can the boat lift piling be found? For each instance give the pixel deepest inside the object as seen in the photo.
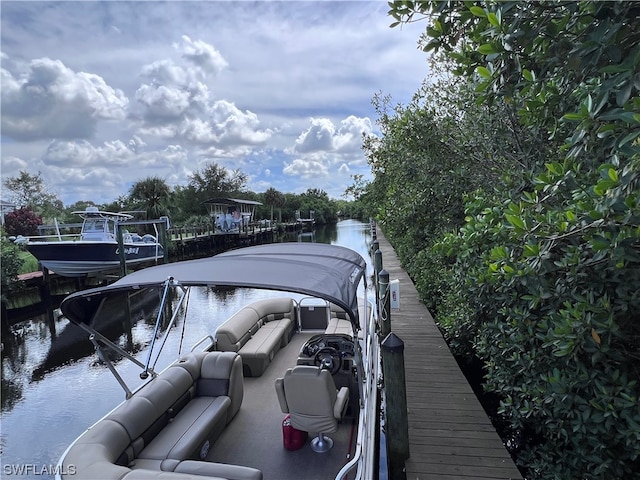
(45, 294)
(161, 235)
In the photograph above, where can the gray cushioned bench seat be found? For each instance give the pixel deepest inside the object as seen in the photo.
(338, 326)
(203, 418)
(195, 470)
(257, 332)
(259, 351)
(167, 427)
(339, 323)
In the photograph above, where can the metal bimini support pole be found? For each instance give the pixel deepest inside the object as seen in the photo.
(168, 283)
(93, 335)
(185, 292)
(103, 357)
(99, 340)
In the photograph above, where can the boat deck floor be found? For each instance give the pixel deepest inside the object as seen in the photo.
(254, 436)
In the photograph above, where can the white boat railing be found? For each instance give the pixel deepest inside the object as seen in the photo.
(364, 457)
(48, 238)
(55, 223)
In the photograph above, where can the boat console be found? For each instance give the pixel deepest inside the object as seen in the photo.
(336, 353)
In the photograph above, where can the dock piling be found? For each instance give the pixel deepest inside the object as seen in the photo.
(395, 394)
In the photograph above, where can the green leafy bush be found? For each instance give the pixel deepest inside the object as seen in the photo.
(554, 295)
(10, 266)
(547, 263)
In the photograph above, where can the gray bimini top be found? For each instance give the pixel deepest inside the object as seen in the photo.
(321, 270)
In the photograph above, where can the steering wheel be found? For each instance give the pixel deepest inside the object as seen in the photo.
(329, 356)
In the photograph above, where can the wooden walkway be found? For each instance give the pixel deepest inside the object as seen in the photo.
(450, 435)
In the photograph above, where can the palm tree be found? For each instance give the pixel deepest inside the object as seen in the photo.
(151, 194)
(274, 198)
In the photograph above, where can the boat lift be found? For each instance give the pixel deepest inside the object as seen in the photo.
(231, 215)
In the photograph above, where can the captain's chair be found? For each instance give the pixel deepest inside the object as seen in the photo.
(309, 395)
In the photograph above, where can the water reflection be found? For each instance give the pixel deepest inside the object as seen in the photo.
(54, 387)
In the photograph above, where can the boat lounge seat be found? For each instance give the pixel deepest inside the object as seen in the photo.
(309, 395)
(257, 332)
(339, 323)
(194, 470)
(338, 326)
(167, 427)
(202, 419)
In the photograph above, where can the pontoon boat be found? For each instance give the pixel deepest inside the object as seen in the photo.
(286, 388)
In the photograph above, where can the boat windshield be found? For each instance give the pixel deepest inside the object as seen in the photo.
(94, 225)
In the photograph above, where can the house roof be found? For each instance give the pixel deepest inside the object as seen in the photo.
(230, 201)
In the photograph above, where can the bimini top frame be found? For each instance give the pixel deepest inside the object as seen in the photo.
(326, 271)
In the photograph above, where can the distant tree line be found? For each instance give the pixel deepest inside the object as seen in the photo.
(509, 186)
(184, 205)
(151, 198)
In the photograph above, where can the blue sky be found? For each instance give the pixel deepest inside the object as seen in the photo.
(99, 95)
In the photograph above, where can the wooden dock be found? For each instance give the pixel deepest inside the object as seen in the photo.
(450, 435)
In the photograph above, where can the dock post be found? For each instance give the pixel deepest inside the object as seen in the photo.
(375, 245)
(395, 394)
(377, 259)
(377, 267)
(384, 305)
(164, 241)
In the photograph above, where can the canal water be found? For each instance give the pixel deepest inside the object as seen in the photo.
(53, 386)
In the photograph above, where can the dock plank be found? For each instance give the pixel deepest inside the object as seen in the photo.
(450, 434)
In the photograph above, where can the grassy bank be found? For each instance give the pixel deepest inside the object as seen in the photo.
(29, 263)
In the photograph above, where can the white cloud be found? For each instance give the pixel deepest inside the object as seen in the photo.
(165, 72)
(202, 54)
(322, 136)
(281, 90)
(197, 131)
(177, 105)
(234, 126)
(136, 143)
(13, 164)
(348, 138)
(82, 154)
(318, 137)
(306, 169)
(165, 102)
(51, 100)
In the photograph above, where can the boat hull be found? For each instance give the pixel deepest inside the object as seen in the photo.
(78, 259)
